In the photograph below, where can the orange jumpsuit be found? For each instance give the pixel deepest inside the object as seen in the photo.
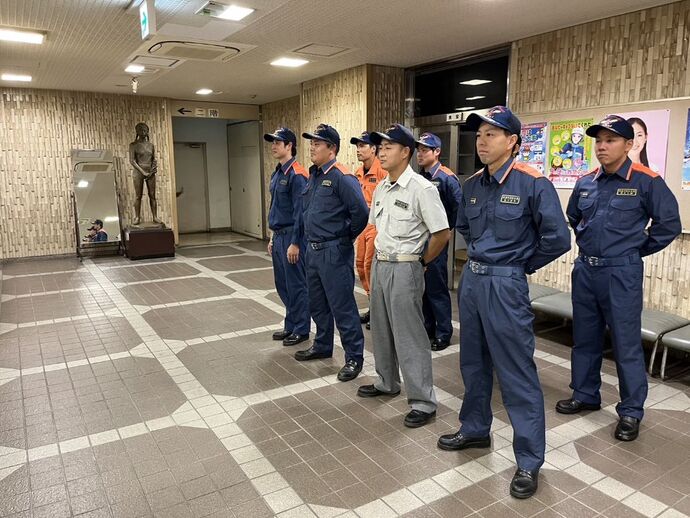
(365, 241)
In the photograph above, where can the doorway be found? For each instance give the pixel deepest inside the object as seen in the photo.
(191, 179)
(244, 164)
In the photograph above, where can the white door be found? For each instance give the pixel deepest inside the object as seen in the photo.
(244, 165)
(190, 180)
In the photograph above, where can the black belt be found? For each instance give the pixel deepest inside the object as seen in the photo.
(490, 269)
(610, 261)
(320, 245)
(284, 230)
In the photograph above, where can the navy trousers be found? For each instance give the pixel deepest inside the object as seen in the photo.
(496, 334)
(291, 284)
(436, 304)
(608, 296)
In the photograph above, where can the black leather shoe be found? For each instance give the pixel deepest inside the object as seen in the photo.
(417, 418)
(310, 354)
(368, 326)
(350, 371)
(438, 345)
(524, 483)
(281, 335)
(372, 391)
(364, 318)
(628, 428)
(457, 441)
(573, 406)
(294, 339)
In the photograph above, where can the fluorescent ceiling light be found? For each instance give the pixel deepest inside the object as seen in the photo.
(110, 219)
(21, 36)
(464, 108)
(289, 62)
(235, 13)
(475, 82)
(475, 97)
(15, 77)
(82, 184)
(135, 69)
(204, 91)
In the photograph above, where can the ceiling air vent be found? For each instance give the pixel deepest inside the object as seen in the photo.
(195, 51)
(322, 51)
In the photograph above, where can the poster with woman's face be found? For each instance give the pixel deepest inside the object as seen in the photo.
(651, 138)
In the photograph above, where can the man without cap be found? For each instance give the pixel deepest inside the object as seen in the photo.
(436, 301)
(287, 244)
(412, 228)
(335, 213)
(610, 209)
(369, 174)
(512, 221)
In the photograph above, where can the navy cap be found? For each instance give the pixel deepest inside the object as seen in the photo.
(97, 222)
(429, 140)
(364, 138)
(498, 116)
(396, 133)
(614, 123)
(282, 135)
(326, 133)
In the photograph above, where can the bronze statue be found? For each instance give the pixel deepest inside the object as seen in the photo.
(143, 159)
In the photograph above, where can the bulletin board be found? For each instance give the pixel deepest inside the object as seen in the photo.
(675, 151)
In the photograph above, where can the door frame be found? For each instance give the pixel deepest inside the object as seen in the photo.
(208, 204)
(262, 189)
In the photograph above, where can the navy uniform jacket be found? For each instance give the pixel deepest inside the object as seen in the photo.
(512, 218)
(610, 213)
(334, 206)
(448, 187)
(287, 185)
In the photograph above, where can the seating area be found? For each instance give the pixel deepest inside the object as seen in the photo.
(658, 327)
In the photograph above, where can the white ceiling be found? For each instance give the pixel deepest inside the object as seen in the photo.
(90, 41)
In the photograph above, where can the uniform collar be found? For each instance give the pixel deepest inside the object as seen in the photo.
(327, 166)
(434, 169)
(285, 168)
(500, 175)
(375, 166)
(624, 172)
(403, 179)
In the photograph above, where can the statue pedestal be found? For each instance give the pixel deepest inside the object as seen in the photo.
(149, 240)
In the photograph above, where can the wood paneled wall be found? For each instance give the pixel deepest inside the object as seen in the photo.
(625, 59)
(284, 113)
(386, 97)
(38, 130)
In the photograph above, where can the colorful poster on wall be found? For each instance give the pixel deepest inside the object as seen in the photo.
(651, 138)
(533, 148)
(686, 158)
(570, 153)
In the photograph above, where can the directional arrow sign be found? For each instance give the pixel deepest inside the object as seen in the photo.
(182, 111)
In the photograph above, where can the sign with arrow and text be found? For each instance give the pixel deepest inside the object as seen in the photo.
(147, 18)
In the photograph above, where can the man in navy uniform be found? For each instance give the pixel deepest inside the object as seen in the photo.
(512, 221)
(287, 245)
(436, 301)
(335, 213)
(609, 209)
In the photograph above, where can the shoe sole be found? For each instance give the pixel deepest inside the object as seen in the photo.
(344, 379)
(293, 344)
(420, 424)
(522, 496)
(590, 408)
(466, 447)
(385, 394)
(312, 358)
(626, 438)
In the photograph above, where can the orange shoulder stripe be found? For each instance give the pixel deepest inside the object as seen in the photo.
(525, 169)
(343, 168)
(299, 169)
(639, 168)
(445, 170)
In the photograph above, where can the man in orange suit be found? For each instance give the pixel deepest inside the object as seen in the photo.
(369, 174)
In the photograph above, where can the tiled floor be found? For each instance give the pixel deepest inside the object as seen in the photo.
(153, 388)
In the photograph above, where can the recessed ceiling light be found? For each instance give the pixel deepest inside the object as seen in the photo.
(464, 108)
(235, 13)
(134, 69)
(82, 184)
(204, 91)
(289, 62)
(22, 36)
(475, 82)
(110, 219)
(16, 77)
(475, 97)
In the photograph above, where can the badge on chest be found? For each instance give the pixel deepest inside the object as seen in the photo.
(510, 199)
(283, 182)
(626, 192)
(326, 183)
(473, 201)
(401, 204)
(372, 180)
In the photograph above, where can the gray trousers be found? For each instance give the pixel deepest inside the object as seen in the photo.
(397, 328)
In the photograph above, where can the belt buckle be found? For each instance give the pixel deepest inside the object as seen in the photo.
(314, 245)
(478, 268)
(593, 261)
(383, 256)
